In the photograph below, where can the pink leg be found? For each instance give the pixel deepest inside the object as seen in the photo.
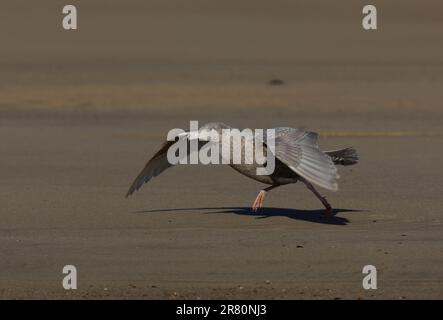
(328, 208)
(258, 203)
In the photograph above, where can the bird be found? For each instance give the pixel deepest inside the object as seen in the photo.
(297, 158)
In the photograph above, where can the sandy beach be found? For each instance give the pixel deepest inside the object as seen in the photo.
(82, 111)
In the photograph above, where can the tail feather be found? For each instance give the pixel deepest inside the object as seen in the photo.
(344, 157)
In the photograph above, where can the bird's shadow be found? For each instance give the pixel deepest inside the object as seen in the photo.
(316, 216)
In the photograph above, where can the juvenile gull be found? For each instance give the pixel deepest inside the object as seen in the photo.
(297, 158)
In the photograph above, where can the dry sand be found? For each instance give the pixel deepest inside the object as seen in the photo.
(81, 112)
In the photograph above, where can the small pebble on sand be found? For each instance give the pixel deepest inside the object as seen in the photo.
(276, 82)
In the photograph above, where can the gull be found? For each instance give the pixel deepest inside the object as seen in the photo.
(297, 158)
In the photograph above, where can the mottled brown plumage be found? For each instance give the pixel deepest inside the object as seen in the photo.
(297, 158)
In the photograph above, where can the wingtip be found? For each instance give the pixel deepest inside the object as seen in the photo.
(128, 193)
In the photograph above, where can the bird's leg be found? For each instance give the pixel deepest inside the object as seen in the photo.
(258, 203)
(323, 200)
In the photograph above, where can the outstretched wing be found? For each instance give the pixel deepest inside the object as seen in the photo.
(157, 164)
(298, 149)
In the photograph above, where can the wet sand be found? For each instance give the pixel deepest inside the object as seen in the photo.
(80, 113)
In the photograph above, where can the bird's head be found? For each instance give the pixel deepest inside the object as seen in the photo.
(211, 131)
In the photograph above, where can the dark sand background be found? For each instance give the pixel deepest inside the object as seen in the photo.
(81, 111)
